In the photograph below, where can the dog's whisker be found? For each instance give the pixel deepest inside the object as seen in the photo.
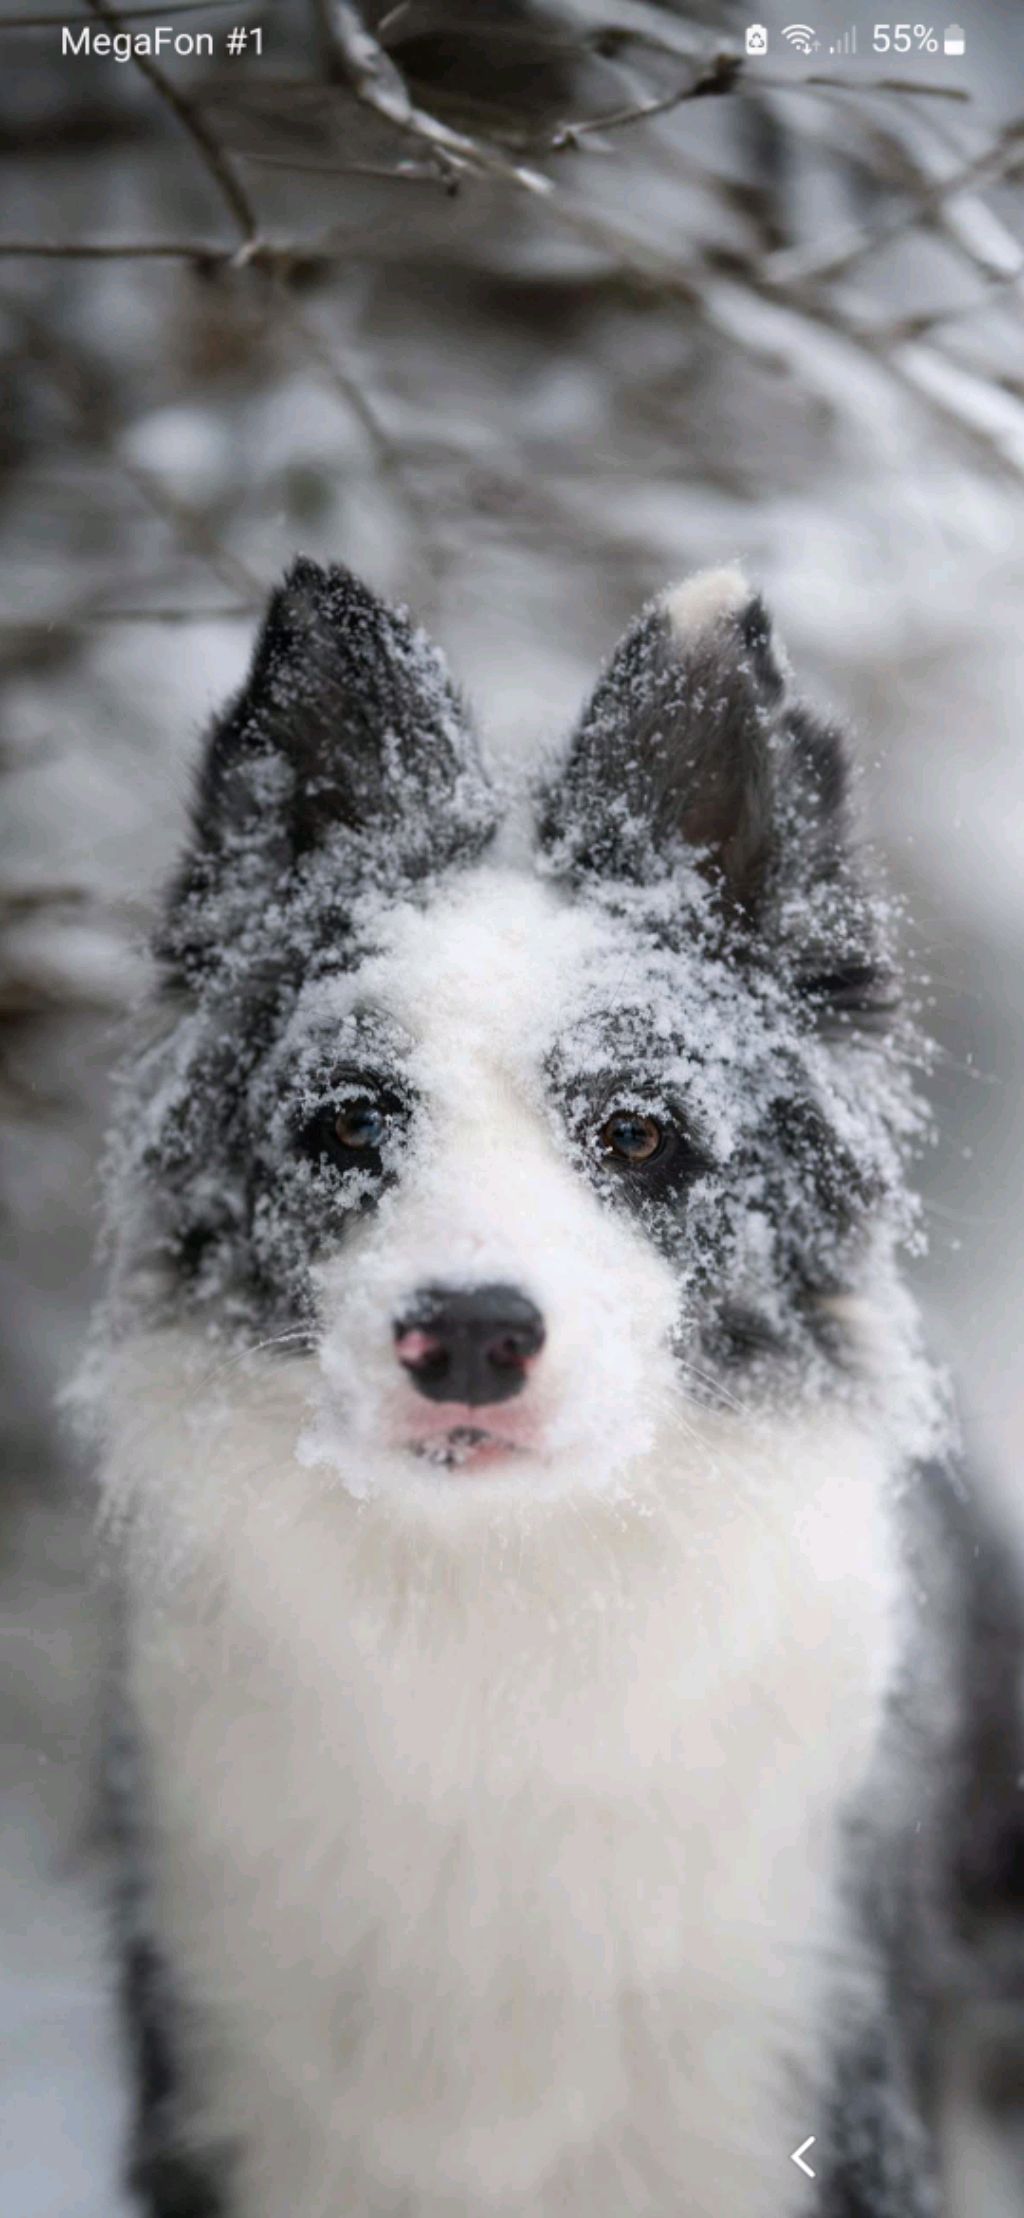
(294, 1337)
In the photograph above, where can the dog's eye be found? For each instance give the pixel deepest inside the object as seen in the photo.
(352, 1133)
(629, 1138)
(361, 1125)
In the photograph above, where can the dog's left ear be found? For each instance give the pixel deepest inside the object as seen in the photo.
(692, 744)
(347, 738)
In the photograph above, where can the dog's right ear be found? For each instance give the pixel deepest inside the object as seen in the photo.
(693, 747)
(347, 740)
(680, 746)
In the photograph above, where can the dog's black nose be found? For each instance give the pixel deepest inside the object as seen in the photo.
(471, 1344)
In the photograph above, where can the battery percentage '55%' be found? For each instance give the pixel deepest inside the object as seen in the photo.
(904, 38)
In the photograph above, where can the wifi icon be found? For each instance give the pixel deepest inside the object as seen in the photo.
(802, 37)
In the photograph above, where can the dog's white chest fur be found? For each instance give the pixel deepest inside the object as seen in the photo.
(499, 1852)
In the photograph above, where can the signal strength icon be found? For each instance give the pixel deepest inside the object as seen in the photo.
(847, 44)
(802, 37)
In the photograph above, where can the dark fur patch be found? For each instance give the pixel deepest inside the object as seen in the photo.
(169, 2178)
(933, 1860)
(877, 2152)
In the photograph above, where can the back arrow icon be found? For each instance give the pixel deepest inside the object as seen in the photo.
(797, 2156)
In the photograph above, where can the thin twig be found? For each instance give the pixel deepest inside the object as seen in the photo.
(347, 386)
(392, 466)
(818, 82)
(718, 76)
(281, 257)
(923, 323)
(15, 627)
(207, 146)
(406, 173)
(194, 531)
(117, 250)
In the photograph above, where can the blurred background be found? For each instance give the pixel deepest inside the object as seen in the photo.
(522, 310)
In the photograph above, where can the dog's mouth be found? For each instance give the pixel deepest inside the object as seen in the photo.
(464, 1446)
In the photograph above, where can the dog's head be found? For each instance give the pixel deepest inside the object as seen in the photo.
(525, 1140)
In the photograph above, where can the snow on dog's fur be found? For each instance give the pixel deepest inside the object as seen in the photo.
(484, 1760)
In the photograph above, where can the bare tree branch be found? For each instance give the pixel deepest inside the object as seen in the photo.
(719, 76)
(207, 146)
(721, 72)
(62, 620)
(392, 464)
(193, 531)
(918, 87)
(999, 163)
(358, 59)
(404, 173)
(118, 250)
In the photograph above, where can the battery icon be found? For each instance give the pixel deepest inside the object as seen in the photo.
(954, 40)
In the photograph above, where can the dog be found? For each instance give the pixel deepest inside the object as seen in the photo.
(563, 1703)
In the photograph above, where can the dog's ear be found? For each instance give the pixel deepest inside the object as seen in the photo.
(683, 744)
(347, 734)
(692, 745)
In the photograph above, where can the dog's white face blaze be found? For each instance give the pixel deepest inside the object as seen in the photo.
(480, 984)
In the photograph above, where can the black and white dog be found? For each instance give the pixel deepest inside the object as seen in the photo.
(545, 1773)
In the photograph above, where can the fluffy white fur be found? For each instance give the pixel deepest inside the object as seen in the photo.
(494, 1814)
